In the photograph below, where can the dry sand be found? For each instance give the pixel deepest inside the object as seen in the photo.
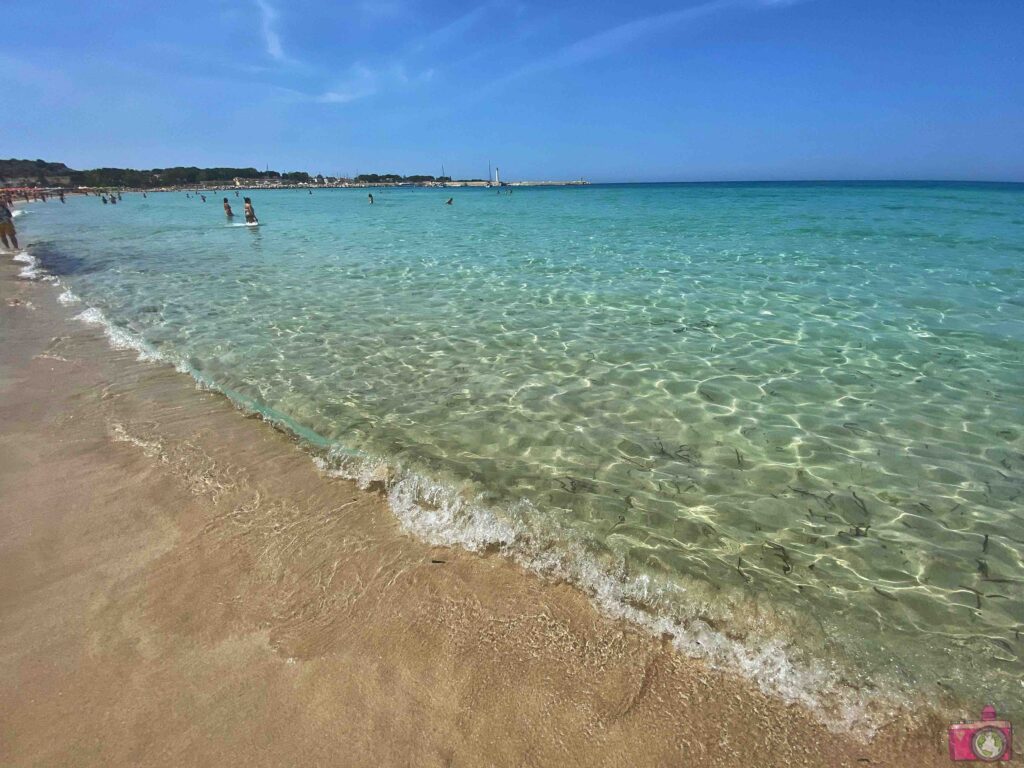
(180, 586)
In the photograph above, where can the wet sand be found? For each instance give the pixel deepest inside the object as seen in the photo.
(181, 586)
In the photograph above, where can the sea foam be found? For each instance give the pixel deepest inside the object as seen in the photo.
(118, 337)
(441, 515)
(67, 297)
(32, 269)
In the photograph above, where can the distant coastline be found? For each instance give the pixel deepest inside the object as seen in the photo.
(45, 176)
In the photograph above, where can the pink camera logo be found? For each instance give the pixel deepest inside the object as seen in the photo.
(988, 740)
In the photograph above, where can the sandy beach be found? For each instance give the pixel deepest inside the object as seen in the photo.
(181, 586)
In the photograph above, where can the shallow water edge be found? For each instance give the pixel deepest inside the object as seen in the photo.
(441, 515)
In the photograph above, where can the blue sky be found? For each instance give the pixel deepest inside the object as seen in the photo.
(613, 91)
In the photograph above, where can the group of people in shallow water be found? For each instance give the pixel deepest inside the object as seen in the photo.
(28, 196)
(250, 212)
(8, 234)
(9, 237)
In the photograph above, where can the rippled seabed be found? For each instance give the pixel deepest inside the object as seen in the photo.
(788, 412)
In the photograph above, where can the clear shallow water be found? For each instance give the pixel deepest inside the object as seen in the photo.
(783, 422)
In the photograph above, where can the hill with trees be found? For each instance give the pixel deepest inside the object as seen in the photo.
(41, 173)
(164, 177)
(35, 171)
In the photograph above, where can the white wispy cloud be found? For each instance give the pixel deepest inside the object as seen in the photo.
(358, 82)
(453, 30)
(616, 38)
(268, 25)
(362, 81)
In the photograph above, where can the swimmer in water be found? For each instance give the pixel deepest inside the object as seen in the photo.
(250, 213)
(450, 201)
(227, 209)
(370, 195)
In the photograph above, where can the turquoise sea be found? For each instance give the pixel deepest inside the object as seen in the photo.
(783, 423)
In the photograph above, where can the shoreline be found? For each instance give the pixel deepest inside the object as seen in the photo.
(758, 646)
(199, 540)
(229, 186)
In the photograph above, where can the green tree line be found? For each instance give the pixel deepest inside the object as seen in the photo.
(165, 177)
(39, 170)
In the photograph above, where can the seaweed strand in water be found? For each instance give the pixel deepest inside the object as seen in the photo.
(780, 551)
(977, 594)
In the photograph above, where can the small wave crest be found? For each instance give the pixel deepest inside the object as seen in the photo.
(32, 270)
(67, 297)
(442, 515)
(118, 337)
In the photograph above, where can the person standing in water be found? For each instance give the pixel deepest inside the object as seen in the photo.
(227, 209)
(7, 233)
(250, 214)
(370, 195)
